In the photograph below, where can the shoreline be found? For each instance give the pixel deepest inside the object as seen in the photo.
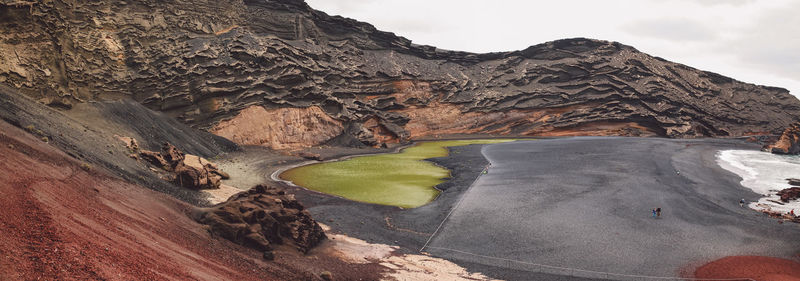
(761, 172)
(591, 195)
(378, 225)
(442, 145)
(275, 175)
(407, 229)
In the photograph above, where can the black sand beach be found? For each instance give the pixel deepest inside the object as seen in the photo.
(584, 204)
(575, 202)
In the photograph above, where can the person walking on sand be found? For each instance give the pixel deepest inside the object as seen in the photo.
(654, 213)
(658, 212)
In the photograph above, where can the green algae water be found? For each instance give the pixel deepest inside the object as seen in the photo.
(397, 179)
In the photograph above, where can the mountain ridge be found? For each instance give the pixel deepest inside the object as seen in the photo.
(247, 69)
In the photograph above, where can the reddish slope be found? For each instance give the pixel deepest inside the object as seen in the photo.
(755, 267)
(62, 222)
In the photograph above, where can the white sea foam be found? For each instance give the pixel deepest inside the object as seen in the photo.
(765, 173)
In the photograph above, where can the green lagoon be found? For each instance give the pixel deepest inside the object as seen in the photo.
(396, 179)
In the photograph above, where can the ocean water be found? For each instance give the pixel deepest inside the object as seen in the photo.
(765, 173)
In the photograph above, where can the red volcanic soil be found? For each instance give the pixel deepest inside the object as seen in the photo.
(62, 220)
(753, 267)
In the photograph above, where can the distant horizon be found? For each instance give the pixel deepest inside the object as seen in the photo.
(752, 41)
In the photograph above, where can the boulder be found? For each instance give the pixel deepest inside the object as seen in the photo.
(789, 194)
(155, 159)
(172, 154)
(196, 173)
(794, 182)
(262, 217)
(190, 171)
(789, 142)
(310, 156)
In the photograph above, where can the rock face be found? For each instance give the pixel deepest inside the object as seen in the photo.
(262, 217)
(789, 143)
(282, 128)
(252, 70)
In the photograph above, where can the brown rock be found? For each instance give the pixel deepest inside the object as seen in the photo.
(789, 143)
(130, 143)
(789, 194)
(196, 173)
(264, 216)
(222, 174)
(268, 255)
(326, 275)
(190, 171)
(172, 154)
(155, 159)
(310, 156)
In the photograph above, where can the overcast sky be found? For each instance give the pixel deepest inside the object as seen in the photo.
(755, 41)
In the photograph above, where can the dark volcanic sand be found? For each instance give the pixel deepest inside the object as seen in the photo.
(582, 203)
(410, 228)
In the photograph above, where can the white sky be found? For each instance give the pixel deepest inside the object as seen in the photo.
(755, 41)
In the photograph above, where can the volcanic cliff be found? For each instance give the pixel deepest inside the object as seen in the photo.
(280, 74)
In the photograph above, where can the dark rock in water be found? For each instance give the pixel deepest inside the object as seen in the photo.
(270, 56)
(789, 143)
(264, 216)
(795, 182)
(789, 194)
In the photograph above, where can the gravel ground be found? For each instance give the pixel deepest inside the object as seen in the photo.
(585, 203)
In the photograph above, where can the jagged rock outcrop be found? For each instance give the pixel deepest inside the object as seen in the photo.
(262, 217)
(788, 143)
(187, 170)
(789, 194)
(324, 76)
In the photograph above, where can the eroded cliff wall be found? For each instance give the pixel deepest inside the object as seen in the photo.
(212, 64)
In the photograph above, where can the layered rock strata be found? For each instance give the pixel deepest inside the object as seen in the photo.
(280, 74)
(788, 143)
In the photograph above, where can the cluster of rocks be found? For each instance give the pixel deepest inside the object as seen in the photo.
(792, 193)
(185, 170)
(789, 194)
(263, 217)
(789, 142)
